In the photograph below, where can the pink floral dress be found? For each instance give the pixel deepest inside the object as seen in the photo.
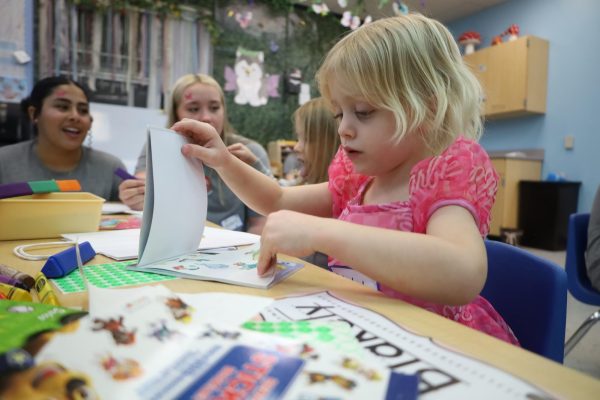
(462, 175)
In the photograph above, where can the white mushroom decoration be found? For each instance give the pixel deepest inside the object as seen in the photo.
(469, 40)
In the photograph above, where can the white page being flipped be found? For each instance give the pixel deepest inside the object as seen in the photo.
(175, 204)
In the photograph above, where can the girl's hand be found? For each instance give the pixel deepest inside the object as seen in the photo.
(206, 144)
(285, 232)
(131, 193)
(242, 152)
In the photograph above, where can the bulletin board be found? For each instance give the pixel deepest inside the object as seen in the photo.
(291, 39)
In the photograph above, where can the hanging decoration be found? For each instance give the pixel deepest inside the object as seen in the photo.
(320, 9)
(350, 21)
(293, 81)
(399, 7)
(273, 46)
(243, 18)
(248, 80)
(304, 95)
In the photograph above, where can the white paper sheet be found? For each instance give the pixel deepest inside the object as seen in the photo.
(123, 244)
(175, 203)
(112, 207)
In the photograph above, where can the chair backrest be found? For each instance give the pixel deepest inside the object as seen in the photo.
(577, 278)
(531, 295)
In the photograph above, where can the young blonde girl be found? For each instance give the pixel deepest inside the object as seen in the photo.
(410, 190)
(318, 141)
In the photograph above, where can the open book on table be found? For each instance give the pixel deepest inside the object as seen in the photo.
(175, 208)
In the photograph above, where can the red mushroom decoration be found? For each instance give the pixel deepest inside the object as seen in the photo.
(469, 40)
(512, 32)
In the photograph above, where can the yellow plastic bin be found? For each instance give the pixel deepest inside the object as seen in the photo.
(49, 215)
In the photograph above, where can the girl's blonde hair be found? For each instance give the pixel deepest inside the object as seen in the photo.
(229, 133)
(320, 135)
(411, 66)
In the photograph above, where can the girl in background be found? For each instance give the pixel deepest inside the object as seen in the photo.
(410, 189)
(318, 141)
(59, 109)
(316, 130)
(200, 97)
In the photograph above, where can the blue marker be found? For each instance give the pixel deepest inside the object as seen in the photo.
(63, 263)
(121, 173)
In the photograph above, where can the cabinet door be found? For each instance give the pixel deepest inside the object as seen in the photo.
(478, 63)
(506, 77)
(513, 75)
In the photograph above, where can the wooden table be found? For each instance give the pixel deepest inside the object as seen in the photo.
(546, 374)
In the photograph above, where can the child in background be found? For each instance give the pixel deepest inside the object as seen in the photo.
(59, 109)
(316, 129)
(410, 189)
(318, 141)
(200, 97)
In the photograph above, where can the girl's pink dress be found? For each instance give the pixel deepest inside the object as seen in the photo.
(462, 175)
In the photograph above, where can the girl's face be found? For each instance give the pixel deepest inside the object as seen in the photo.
(301, 147)
(202, 102)
(367, 135)
(64, 119)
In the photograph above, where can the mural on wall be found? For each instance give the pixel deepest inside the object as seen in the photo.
(247, 78)
(286, 46)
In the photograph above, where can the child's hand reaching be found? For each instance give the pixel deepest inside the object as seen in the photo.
(242, 152)
(285, 232)
(207, 145)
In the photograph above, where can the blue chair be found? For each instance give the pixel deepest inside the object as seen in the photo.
(577, 278)
(531, 295)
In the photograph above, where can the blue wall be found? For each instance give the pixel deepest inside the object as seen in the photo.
(573, 104)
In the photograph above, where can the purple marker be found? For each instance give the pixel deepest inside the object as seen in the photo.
(8, 272)
(13, 282)
(121, 173)
(14, 189)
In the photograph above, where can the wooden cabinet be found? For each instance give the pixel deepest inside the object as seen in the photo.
(277, 151)
(514, 76)
(506, 208)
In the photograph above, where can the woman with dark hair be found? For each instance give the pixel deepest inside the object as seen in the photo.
(59, 110)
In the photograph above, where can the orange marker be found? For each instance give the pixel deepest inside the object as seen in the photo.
(68, 185)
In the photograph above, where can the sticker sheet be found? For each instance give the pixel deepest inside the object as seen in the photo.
(151, 343)
(444, 373)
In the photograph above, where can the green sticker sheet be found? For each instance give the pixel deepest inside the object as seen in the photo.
(336, 334)
(107, 276)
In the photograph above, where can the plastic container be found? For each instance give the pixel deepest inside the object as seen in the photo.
(49, 215)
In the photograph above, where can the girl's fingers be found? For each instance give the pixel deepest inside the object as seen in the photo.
(193, 150)
(195, 130)
(266, 262)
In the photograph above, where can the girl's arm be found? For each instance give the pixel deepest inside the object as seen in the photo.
(447, 265)
(255, 189)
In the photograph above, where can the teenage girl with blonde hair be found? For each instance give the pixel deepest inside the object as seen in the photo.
(200, 97)
(410, 189)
